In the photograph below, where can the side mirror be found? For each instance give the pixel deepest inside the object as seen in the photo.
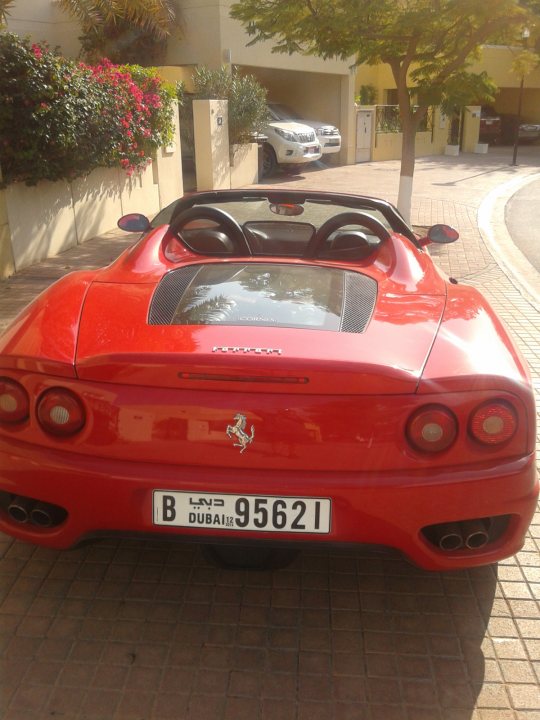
(134, 222)
(440, 234)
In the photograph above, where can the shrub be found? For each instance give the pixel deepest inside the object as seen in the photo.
(60, 120)
(246, 103)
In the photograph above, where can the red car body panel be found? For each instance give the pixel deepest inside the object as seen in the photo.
(329, 411)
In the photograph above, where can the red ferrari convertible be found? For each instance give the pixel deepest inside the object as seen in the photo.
(266, 369)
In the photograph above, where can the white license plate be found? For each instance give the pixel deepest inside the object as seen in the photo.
(263, 513)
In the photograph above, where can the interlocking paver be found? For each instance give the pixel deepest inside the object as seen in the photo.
(141, 629)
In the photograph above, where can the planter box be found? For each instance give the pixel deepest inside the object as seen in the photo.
(244, 165)
(452, 150)
(481, 148)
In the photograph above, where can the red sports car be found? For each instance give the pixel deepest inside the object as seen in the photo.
(266, 369)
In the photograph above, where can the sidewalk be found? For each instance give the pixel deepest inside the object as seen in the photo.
(148, 630)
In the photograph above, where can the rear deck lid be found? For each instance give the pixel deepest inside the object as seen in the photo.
(264, 327)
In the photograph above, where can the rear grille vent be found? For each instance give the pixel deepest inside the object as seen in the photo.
(358, 303)
(168, 294)
(359, 296)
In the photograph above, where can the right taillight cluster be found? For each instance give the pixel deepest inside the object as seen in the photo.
(493, 423)
(59, 411)
(433, 428)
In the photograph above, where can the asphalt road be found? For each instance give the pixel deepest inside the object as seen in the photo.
(523, 221)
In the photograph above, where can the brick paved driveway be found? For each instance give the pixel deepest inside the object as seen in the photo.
(133, 629)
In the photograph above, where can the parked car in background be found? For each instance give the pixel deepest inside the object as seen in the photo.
(328, 135)
(528, 131)
(289, 144)
(490, 126)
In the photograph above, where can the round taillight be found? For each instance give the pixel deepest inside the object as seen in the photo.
(432, 428)
(60, 412)
(493, 423)
(14, 402)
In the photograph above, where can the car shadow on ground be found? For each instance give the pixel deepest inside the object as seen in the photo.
(155, 627)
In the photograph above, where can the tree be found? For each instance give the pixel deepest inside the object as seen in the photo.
(428, 45)
(123, 30)
(5, 6)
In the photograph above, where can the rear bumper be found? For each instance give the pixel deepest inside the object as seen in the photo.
(103, 496)
(330, 145)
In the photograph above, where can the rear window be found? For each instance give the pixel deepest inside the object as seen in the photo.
(265, 295)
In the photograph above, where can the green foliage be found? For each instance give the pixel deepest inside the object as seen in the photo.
(123, 30)
(367, 95)
(427, 43)
(246, 103)
(60, 120)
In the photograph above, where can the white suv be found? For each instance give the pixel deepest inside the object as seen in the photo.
(288, 144)
(327, 135)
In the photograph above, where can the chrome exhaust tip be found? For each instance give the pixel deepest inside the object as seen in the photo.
(19, 509)
(449, 536)
(475, 533)
(42, 515)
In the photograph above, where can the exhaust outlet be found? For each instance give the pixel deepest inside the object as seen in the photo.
(475, 533)
(42, 515)
(449, 536)
(19, 509)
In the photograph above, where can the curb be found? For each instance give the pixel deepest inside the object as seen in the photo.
(492, 226)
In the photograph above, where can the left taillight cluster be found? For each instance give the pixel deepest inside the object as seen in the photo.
(434, 428)
(14, 402)
(59, 411)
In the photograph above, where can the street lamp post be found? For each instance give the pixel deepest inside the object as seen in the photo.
(524, 36)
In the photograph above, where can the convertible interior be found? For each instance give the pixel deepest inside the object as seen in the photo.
(291, 224)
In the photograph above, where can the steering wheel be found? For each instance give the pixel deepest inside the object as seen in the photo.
(226, 222)
(354, 217)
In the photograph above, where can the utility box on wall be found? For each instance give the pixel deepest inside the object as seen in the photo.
(212, 160)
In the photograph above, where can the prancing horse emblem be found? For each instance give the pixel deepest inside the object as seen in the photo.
(239, 430)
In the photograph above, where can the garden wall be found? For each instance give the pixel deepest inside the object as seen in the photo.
(43, 220)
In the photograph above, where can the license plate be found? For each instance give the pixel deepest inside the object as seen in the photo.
(311, 149)
(263, 513)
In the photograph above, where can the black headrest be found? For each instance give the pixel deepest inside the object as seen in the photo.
(207, 241)
(350, 245)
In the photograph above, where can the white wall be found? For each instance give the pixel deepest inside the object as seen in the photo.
(211, 37)
(43, 20)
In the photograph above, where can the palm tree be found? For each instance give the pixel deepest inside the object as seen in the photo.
(123, 30)
(5, 5)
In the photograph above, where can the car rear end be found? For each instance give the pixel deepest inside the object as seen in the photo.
(194, 415)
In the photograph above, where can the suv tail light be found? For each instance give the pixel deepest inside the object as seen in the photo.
(60, 412)
(14, 402)
(493, 423)
(432, 428)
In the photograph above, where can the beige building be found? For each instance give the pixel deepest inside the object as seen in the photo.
(496, 60)
(316, 88)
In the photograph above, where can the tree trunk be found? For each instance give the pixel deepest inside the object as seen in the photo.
(409, 127)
